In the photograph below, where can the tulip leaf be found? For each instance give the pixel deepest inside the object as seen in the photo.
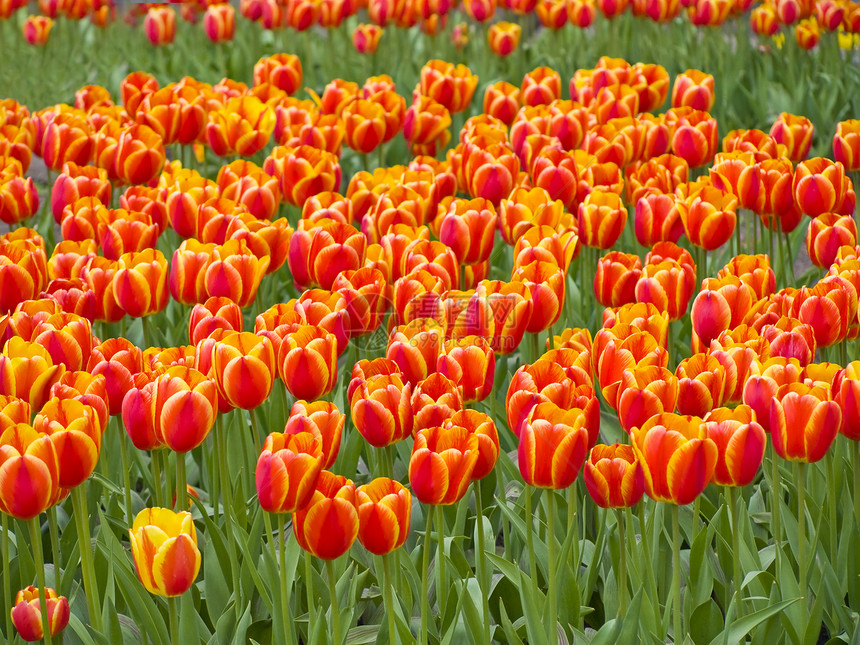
(470, 592)
(80, 630)
(507, 626)
(738, 630)
(622, 629)
(534, 624)
(706, 622)
(363, 635)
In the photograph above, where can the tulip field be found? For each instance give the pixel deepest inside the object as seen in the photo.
(430, 322)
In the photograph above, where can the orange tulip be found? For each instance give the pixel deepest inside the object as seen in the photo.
(27, 613)
(140, 283)
(804, 422)
(613, 476)
(160, 25)
(118, 361)
(364, 291)
(365, 123)
(140, 155)
(708, 217)
(86, 388)
(384, 512)
(284, 71)
(693, 89)
(602, 218)
(365, 38)
(29, 472)
(452, 86)
(645, 390)
(469, 361)
(504, 38)
(307, 362)
(665, 285)
(243, 126)
(434, 401)
(234, 272)
(244, 368)
(381, 409)
(67, 137)
(415, 347)
(426, 125)
(545, 281)
(324, 421)
(826, 234)
(551, 452)
(36, 29)
(287, 471)
(219, 23)
(442, 463)
(740, 444)
(615, 278)
(695, 137)
(819, 186)
(846, 144)
(328, 525)
(75, 431)
(677, 457)
(502, 101)
(704, 382)
(27, 371)
(795, 133)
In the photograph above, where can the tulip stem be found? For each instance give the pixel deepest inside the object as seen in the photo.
(776, 493)
(388, 598)
(82, 522)
(282, 568)
(173, 611)
(676, 573)
(530, 540)
(425, 604)
(551, 566)
(855, 463)
(156, 476)
(36, 540)
(622, 564)
(440, 565)
(736, 549)
(226, 503)
(801, 530)
(4, 553)
(145, 327)
(181, 485)
(335, 610)
(790, 258)
(481, 560)
(831, 500)
(126, 474)
(309, 588)
(54, 530)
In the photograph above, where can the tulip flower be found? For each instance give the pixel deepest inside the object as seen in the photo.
(234, 272)
(244, 368)
(29, 471)
(219, 23)
(287, 471)
(442, 463)
(615, 279)
(76, 431)
(381, 409)
(452, 86)
(365, 38)
(613, 476)
(27, 614)
(602, 218)
(645, 390)
(502, 101)
(140, 283)
(160, 25)
(804, 422)
(140, 155)
(818, 186)
(323, 420)
(384, 513)
(469, 361)
(215, 313)
(740, 447)
(307, 362)
(693, 89)
(551, 452)
(164, 549)
(826, 234)
(846, 144)
(329, 524)
(27, 371)
(36, 31)
(695, 136)
(504, 38)
(795, 133)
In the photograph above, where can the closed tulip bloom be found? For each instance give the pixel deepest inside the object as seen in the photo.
(693, 89)
(27, 613)
(140, 155)
(677, 457)
(188, 271)
(657, 220)
(846, 144)
(551, 452)
(248, 184)
(613, 476)
(284, 71)
(29, 472)
(303, 172)
(324, 421)
(36, 29)
(160, 25)
(67, 137)
(19, 199)
(818, 186)
(764, 20)
(140, 283)
(164, 549)
(287, 471)
(804, 421)
(307, 362)
(215, 313)
(365, 125)
(118, 361)
(452, 86)
(87, 388)
(384, 513)
(328, 525)
(468, 229)
(27, 371)
(426, 125)
(502, 101)
(75, 182)
(244, 368)
(365, 38)
(364, 291)
(807, 33)
(704, 383)
(695, 137)
(829, 307)
(645, 390)
(219, 23)
(185, 405)
(76, 432)
(435, 400)
(826, 234)
(235, 272)
(740, 450)
(602, 218)
(415, 347)
(504, 38)
(442, 463)
(469, 362)
(709, 217)
(615, 278)
(795, 133)
(382, 411)
(243, 126)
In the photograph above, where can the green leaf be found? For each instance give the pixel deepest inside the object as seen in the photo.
(363, 635)
(706, 622)
(739, 629)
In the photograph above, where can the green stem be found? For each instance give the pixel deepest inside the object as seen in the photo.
(481, 560)
(145, 326)
(551, 565)
(126, 474)
(855, 469)
(181, 483)
(776, 493)
(282, 568)
(388, 598)
(440, 564)
(155, 462)
(832, 498)
(335, 609)
(36, 540)
(790, 258)
(54, 530)
(622, 564)
(425, 566)
(801, 529)
(82, 521)
(173, 609)
(649, 564)
(309, 589)
(676, 573)
(4, 553)
(737, 574)
(227, 507)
